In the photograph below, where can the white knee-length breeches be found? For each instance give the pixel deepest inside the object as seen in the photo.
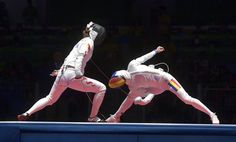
(66, 79)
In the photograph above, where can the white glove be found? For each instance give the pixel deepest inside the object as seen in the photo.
(145, 101)
(138, 101)
(54, 73)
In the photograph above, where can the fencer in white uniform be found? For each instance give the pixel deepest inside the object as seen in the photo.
(144, 82)
(71, 74)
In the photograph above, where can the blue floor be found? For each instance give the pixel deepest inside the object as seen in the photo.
(12, 131)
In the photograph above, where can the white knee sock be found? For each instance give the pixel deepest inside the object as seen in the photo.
(97, 101)
(39, 105)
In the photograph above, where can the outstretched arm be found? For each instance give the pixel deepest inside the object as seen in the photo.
(126, 104)
(147, 56)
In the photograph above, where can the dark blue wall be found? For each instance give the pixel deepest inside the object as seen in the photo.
(123, 132)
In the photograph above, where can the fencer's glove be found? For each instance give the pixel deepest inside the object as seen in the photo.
(143, 101)
(159, 49)
(138, 101)
(54, 73)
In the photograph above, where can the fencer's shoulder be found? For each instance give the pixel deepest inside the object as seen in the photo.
(87, 40)
(133, 62)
